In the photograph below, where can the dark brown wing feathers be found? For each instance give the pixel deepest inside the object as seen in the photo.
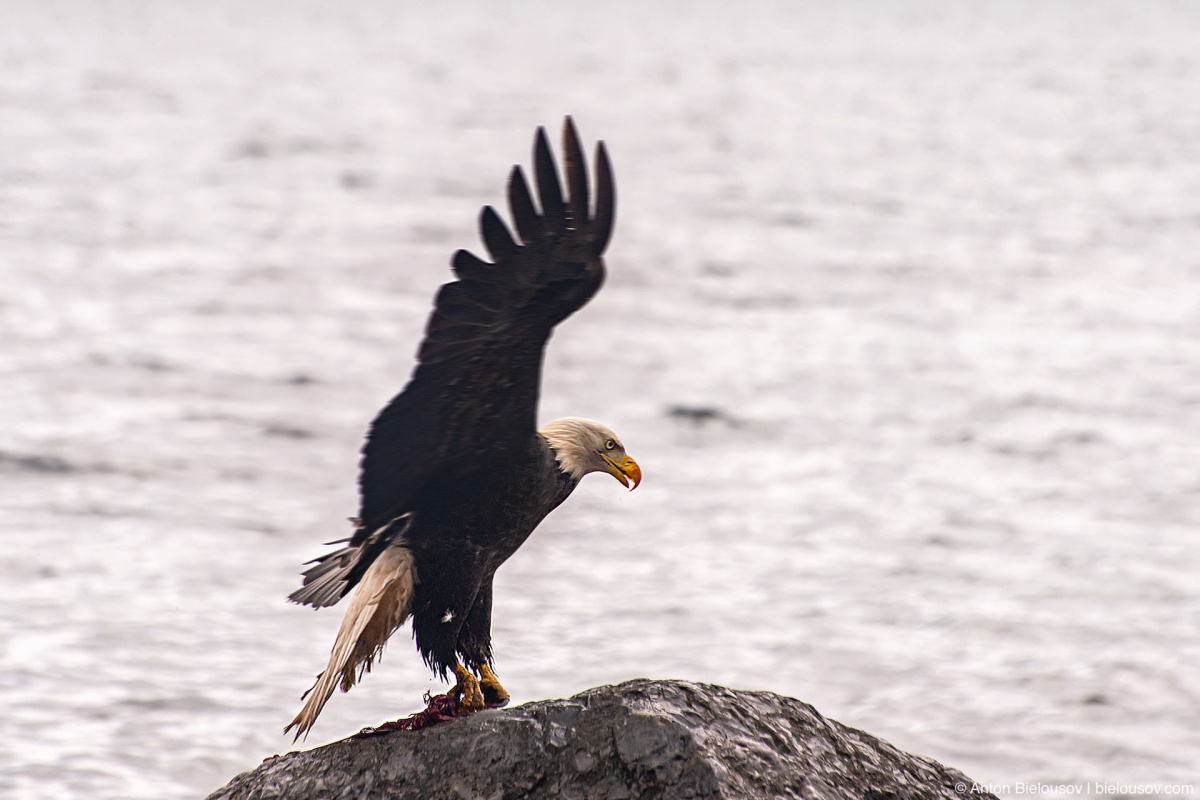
(473, 396)
(520, 201)
(335, 573)
(496, 238)
(577, 181)
(549, 189)
(606, 201)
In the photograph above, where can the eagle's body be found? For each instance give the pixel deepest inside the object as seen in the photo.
(458, 552)
(455, 475)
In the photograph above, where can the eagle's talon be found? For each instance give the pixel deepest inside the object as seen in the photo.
(494, 695)
(467, 690)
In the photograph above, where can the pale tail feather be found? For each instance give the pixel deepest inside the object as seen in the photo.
(380, 604)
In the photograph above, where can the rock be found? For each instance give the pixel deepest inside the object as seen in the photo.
(641, 739)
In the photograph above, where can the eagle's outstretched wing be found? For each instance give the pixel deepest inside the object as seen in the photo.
(473, 396)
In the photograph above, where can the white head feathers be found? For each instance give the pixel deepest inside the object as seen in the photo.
(583, 445)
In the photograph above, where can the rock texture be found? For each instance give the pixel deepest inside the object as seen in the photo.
(641, 739)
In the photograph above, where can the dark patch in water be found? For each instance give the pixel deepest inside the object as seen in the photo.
(699, 415)
(251, 148)
(151, 363)
(54, 465)
(288, 432)
(357, 180)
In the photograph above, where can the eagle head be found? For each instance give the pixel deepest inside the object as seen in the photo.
(583, 445)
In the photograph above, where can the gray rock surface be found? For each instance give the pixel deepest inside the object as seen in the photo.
(640, 739)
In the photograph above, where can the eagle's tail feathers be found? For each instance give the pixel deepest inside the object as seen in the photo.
(380, 605)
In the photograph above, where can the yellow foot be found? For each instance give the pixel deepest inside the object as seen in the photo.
(494, 694)
(470, 696)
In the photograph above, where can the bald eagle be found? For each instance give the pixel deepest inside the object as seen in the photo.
(455, 473)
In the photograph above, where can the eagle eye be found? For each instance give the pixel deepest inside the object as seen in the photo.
(609, 444)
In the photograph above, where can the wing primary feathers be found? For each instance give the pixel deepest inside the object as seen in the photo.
(525, 215)
(606, 200)
(549, 189)
(496, 236)
(462, 306)
(469, 267)
(479, 366)
(576, 169)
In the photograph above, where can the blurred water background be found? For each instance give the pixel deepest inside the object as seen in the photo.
(902, 323)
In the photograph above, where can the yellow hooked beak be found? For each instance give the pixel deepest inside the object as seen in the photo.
(625, 471)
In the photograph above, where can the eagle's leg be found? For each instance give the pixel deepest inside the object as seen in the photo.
(493, 693)
(470, 696)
